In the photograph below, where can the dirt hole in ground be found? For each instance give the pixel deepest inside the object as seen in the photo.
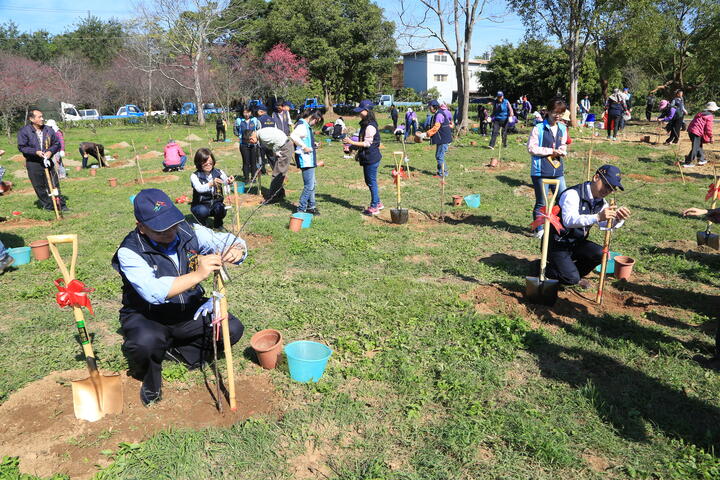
(150, 154)
(255, 240)
(156, 179)
(9, 224)
(39, 425)
(119, 145)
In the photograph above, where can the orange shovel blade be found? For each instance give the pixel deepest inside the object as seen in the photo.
(97, 395)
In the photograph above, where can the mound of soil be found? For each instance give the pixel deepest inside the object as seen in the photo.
(192, 138)
(157, 179)
(120, 145)
(524, 191)
(119, 164)
(17, 158)
(649, 179)
(21, 173)
(150, 154)
(13, 223)
(245, 199)
(255, 240)
(40, 426)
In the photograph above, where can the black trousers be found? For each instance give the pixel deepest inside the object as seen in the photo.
(570, 263)
(203, 212)
(250, 156)
(648, 112)
(499, 126)
(483, 127)
(613, 123)
(218, 131)
(146, 340)
(280, 168)
(696, 150)
(36, 173)
(674, 127)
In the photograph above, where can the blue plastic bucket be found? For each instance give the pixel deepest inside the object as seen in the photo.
(328, 140)
(473, 201)
(307, 360)
(306, 218)
(610, 264)
(590, 118)
(20, 254)
(240, 187)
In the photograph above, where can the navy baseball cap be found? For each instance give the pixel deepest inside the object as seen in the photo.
(500, 94)
(433, 103)
(260, 106)
(155, 209)
(287, 103)
(610, 174)
(364, 105)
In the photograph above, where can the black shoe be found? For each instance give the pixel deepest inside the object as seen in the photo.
(6, 262)
(64, 208)
(148, 397)
(314, 211)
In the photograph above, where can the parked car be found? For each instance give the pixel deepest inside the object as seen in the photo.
(387, 100)
(89, 114)
(189, 108)
(68, 112)
(312, 103)
(126, 111)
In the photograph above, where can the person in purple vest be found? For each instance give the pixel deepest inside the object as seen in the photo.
(571, 255)
(440, 134)
(368, 153)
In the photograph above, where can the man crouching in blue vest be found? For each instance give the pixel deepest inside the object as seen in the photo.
(571, 255)
(165, 313)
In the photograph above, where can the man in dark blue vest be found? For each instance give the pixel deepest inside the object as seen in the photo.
(502, 111)
(440, 135)
(165, 314)
(571, 255)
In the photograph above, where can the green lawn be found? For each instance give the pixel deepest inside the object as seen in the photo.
(440, 370)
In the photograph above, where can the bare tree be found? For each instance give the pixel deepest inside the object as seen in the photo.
(572, 23)
(450, 22)
(235, 74)
(144, 51)
(190, 27)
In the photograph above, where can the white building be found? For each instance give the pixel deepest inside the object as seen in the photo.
(425, 69)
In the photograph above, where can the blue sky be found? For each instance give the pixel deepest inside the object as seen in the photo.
(58, 16)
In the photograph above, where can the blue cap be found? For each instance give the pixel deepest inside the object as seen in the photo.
(500, 94)
(155, 209)
(287, 103)
(610, 174)
(364, 105)
(433, 103)
(260, 106)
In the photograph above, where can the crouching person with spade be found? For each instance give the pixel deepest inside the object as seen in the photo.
(571, 256)
(165, 314)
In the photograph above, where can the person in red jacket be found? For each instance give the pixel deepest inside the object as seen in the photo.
(700, 132)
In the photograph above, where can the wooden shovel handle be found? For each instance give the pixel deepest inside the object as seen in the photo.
(54, 240)
(54, 199)
(227, 346)
(606, 255)
(549, 204)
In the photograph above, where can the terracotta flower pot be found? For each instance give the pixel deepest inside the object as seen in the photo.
(112, 182)
(473, 143)
(268, 346)
(93, 172)
(457, 200)
(623, 267)
(40, 250)
(295, 224)
(494, 162)
(319, 164)
(78, 168)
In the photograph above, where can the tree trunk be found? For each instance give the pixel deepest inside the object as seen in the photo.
(574, 76)
(604, 84)
(327, 100)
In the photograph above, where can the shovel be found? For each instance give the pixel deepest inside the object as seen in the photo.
(97, 395)
(712, 240)
(54, 194)
(606, 253)
(542, 290)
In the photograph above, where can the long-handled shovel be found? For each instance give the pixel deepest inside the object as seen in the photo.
(97, 395)
(605, 256)
(540, 289)
(227, 347)
(54, 194)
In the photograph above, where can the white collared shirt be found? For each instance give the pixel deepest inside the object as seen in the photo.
(572, 218)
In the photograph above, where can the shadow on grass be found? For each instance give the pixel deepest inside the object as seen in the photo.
(10, 240)
(686, 299)
(512, 265)
(326, 197)
(513, 182)
(627, 399)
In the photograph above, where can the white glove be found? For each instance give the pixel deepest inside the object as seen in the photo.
(205, 309)
(47, 162)
(62, 153)
(421, 135)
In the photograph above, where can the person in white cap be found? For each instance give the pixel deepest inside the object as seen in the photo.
(57, 158)
(700, 132)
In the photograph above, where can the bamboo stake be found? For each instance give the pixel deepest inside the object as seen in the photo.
(606, 254)
(227, 347)
(677, 162)
(137, 163)
(237, 209)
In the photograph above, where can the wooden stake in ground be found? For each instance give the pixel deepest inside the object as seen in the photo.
(237, 209)
(137, 163)
(677, 162)
(442, 199)
(53, 193)
(101, 160)
(606, 254)
(227, 347)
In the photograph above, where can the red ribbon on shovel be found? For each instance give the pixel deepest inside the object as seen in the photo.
(712, 192)
(553, 217)
(74, 295)
(398, 173)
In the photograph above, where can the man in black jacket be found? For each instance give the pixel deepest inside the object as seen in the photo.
(38, 143)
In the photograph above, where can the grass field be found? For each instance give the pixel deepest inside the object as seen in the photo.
(440, 369)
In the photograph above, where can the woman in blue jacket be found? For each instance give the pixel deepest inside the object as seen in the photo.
(306, 157)
(547, 146)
